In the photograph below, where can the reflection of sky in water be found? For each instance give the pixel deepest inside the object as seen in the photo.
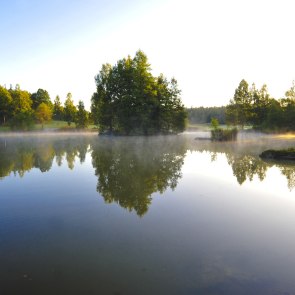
(201, 164)
(247, 229)
(210, 235)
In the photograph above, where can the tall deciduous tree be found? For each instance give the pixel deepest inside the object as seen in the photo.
(40, 96)
(43, 113)
(82, 119)
(5, 104)
(58, 110)
(69, 109)
(288, 105)
(239, 109)
(21, 100)
(260, 103)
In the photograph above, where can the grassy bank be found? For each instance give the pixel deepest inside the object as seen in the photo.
(53, 126)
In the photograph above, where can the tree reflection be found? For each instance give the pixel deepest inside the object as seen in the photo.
(246, 166)
(19, 155)
(289, 172)
(130, 170)
(244, 160)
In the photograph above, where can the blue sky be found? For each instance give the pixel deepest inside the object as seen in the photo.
(208, 46)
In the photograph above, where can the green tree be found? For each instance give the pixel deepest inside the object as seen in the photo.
(274, 119)
(21, 100)
(5, 104)
(129, 100)
(102, 101)
(43, 113)
(40, 96)
(260, 103)
(69, 109)
(58, 109)
(288, 105)
(290, 94)
(82, 118)
(22, 113)
(238, 111)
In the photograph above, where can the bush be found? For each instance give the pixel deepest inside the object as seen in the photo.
(22, 121)
(219, 134)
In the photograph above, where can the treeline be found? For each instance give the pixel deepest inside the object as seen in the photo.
(252, 106)
(128, 100)
(201, 115)
(20, 109)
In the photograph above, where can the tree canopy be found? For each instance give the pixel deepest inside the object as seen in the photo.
(130, 100)
(257, 108)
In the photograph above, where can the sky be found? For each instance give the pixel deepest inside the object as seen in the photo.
(209, 46)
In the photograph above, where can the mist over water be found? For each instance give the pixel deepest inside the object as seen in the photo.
(88, 214)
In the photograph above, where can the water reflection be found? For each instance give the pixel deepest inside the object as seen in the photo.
(20, 155)
(129, 171)
(243, 158)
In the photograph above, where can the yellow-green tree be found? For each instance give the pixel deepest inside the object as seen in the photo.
(43, 113)
(5, 104)
(69, 109)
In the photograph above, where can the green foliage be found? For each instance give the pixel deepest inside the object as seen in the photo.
(41, 96)
(257, 108)
(43, 113)
(82, 118)
(58, 109)
(5, 104)
(23, 120)
(214, 123)
(219, 134)
(238, 111)
(21, 101)
(21, 113)
(69, 109)
(130, 100)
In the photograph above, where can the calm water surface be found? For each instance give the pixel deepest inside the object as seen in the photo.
(169, 215)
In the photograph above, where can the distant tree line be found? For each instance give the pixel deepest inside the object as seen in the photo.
(201, 115)
(129, 100)
(20, 109)
(252, 106)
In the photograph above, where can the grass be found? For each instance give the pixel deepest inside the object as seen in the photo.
(53, 126)
(4, 129)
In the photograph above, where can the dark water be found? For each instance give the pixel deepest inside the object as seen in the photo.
(170, 215)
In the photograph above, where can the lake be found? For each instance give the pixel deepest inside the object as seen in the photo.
(83, 214)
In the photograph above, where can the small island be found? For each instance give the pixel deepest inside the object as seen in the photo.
(129, 100)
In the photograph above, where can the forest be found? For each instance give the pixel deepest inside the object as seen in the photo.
(201, 115)
(256, 107)
(129, 100)
(20, 110)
